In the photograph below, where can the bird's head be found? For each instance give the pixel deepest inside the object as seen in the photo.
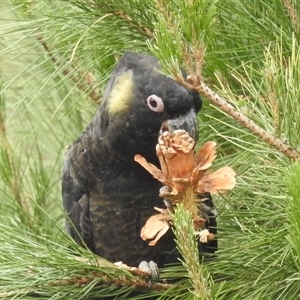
(139, 103)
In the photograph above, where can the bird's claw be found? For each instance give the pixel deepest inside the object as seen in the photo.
(207, 212)
(150, 267)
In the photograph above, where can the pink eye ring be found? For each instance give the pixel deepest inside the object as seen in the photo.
(155, 103)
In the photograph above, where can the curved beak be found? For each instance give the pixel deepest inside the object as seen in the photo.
(188, 122)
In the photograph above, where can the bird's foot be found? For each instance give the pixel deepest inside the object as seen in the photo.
(206, 212)
(148, 270)
(150, 267)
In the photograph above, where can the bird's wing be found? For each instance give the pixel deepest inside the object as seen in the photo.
(76, 206)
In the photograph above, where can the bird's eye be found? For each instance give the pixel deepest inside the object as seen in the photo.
(155, 103)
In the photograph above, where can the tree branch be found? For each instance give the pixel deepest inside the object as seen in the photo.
(92, 91)
(195, 83)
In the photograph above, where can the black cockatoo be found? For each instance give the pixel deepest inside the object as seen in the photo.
(107, 196)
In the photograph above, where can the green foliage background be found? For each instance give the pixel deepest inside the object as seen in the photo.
(252, 59)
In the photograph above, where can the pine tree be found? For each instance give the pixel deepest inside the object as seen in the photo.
(244, 59)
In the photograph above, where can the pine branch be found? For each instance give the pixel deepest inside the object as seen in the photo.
(190, 49)
(193, 82)
(136, 282)
(293, 15)
(10, 173)
(187, 245)
(92, 91)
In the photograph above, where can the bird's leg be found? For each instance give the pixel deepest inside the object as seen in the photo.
(169, 205)
(204, 210)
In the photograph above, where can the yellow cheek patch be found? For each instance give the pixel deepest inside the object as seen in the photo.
(121, 94)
